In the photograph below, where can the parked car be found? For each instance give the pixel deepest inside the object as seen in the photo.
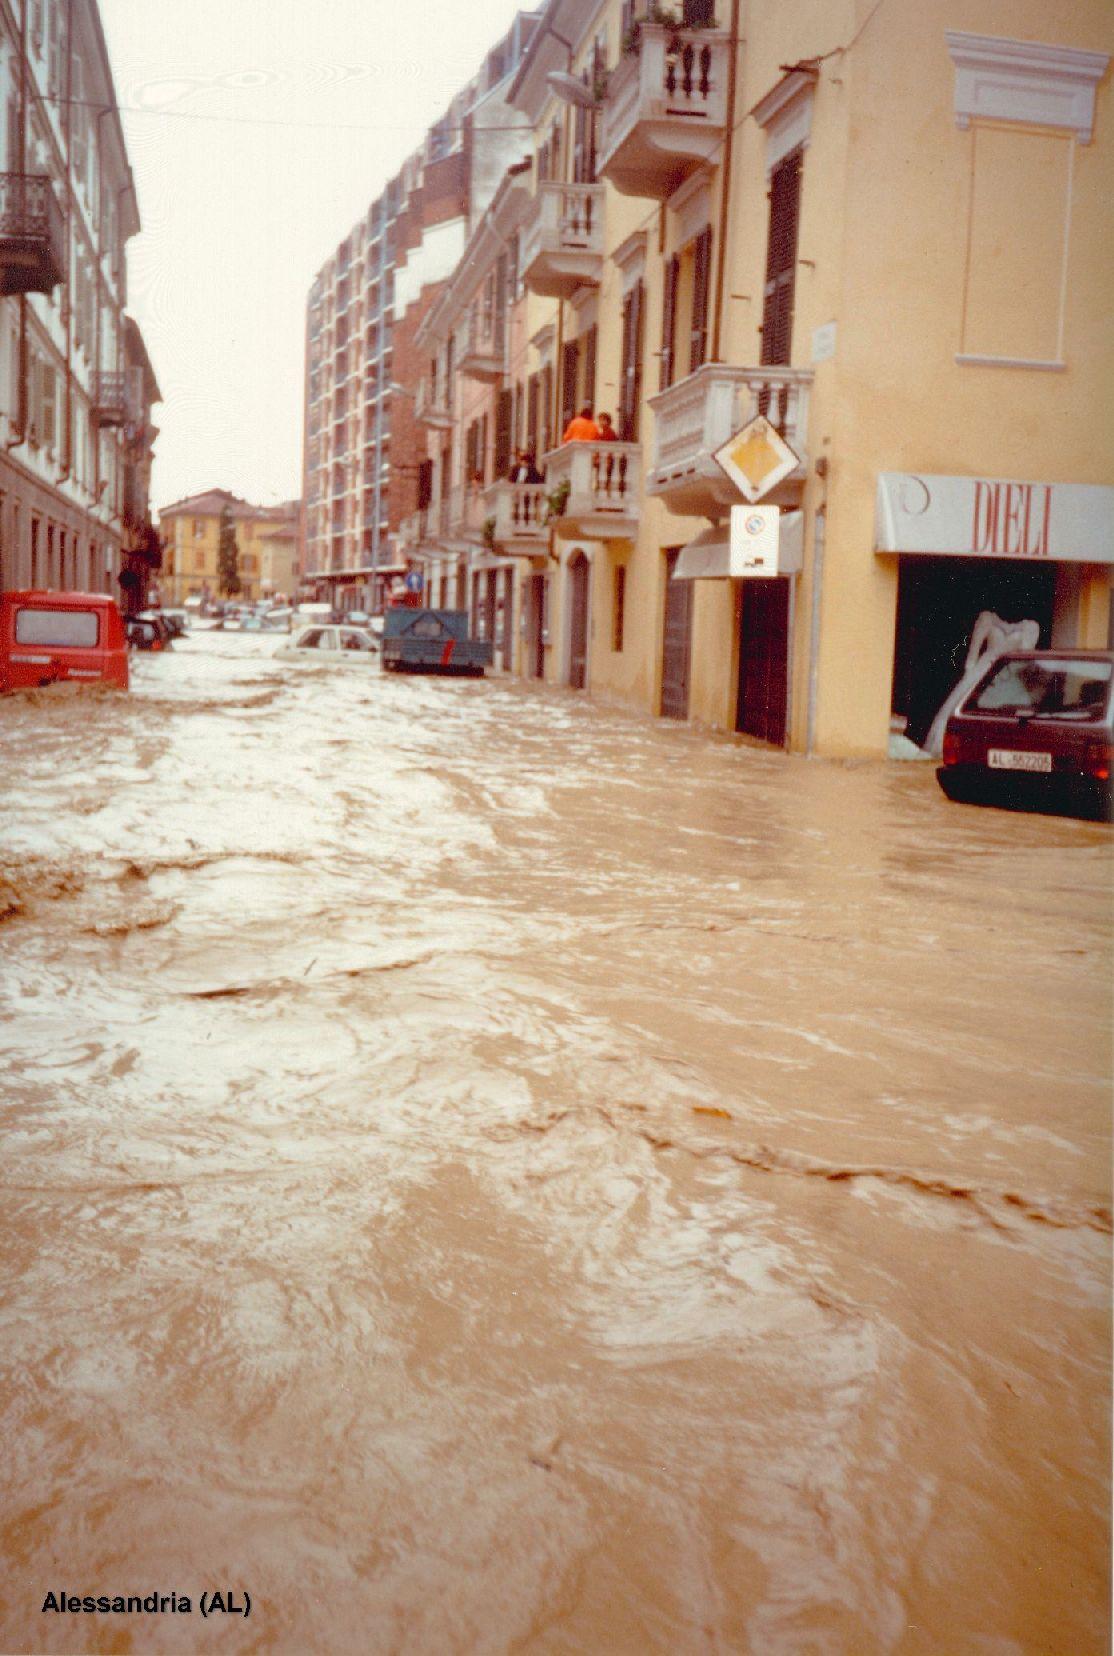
(1037, 729)
(331, 646)
(51, 637)
(145, 633)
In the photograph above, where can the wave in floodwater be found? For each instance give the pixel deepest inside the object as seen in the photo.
(483, 1171)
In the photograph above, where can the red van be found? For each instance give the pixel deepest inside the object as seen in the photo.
(50, 637)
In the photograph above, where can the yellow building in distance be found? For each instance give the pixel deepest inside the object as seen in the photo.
(266, 539)
(844, 260)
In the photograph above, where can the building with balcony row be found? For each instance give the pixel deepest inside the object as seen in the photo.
(266, 547)
(845, 261)
(76, 384)
(363, 439)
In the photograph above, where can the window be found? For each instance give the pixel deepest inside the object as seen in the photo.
(618, 606)
(1049, 689)
(781, 259)
(198, 528)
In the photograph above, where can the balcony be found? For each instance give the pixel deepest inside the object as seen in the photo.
(562, 240)
(110, 404)
(431, 405)
(32, 235)
(467, 513)
(697, 416)
(665, 111)
(602, 488)
(521, 513)
(484, 353)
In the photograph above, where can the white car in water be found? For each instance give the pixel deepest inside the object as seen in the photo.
(331, 647)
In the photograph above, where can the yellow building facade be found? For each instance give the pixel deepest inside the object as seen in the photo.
(266, 539)
(872, 233)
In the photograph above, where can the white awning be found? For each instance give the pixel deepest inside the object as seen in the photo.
(708, 557)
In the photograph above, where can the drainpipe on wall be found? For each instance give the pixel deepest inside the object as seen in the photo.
(21, 173)
(819, 529)
(725, 180)
(67, 124)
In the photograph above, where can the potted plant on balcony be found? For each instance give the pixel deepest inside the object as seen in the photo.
(488, 533)
(557, 499)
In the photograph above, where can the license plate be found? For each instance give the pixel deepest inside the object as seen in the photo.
(1008, 759)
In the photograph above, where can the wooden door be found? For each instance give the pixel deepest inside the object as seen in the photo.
(676, 647)
(763, 659)
(578, 621)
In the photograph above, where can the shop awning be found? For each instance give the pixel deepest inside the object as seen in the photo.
(708, 557)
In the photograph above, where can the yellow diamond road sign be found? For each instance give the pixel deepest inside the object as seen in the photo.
(756, 459)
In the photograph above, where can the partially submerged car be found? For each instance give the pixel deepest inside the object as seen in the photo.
(331, 646)
(54, 637)
(1036, 730)
(432, 641)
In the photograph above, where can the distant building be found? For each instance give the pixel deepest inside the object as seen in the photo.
(364, 440)
(266, 540)
(76, 386)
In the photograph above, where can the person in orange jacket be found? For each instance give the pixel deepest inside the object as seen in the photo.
(582, 428)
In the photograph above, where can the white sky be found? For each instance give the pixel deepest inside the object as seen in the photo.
(239, 215)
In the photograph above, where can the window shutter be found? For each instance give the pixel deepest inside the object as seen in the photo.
(590, 349)
(481, 466)
(503, 416)
(569, 358)
(547, 408)
(781, 260)
(698, 14)
(631, 378)
(533, 391)
(701, 280)
(425, 484)
(669, 321)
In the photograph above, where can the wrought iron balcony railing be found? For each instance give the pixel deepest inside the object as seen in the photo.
(32, 235)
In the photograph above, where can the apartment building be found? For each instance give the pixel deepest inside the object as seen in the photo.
(364, 442)
(845, 261)
(76, 386)
(266, 547)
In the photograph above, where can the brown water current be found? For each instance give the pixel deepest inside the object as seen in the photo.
(485, 1173)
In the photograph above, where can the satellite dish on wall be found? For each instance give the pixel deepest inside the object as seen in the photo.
(569, 89)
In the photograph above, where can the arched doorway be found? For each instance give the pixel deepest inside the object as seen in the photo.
(578, 572)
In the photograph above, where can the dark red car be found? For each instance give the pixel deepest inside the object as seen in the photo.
(1035, 731)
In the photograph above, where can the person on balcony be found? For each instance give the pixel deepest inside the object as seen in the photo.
(582, 428)
(524, 470)
(607, 432)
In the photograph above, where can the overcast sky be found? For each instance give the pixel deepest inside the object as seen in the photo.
(265, 129)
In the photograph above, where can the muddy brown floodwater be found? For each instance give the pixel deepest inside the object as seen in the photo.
(485, 1173)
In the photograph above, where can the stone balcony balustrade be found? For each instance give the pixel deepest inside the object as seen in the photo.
(599, 489)
(698, 415)
(665, 110)
(561, 247)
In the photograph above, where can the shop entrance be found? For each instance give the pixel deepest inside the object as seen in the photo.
(676, 648)
(938, 602)
(763, 659)
(578, 621)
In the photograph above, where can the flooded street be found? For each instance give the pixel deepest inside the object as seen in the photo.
(483, 1172)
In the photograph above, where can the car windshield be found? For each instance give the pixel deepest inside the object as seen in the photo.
(1047, 689)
